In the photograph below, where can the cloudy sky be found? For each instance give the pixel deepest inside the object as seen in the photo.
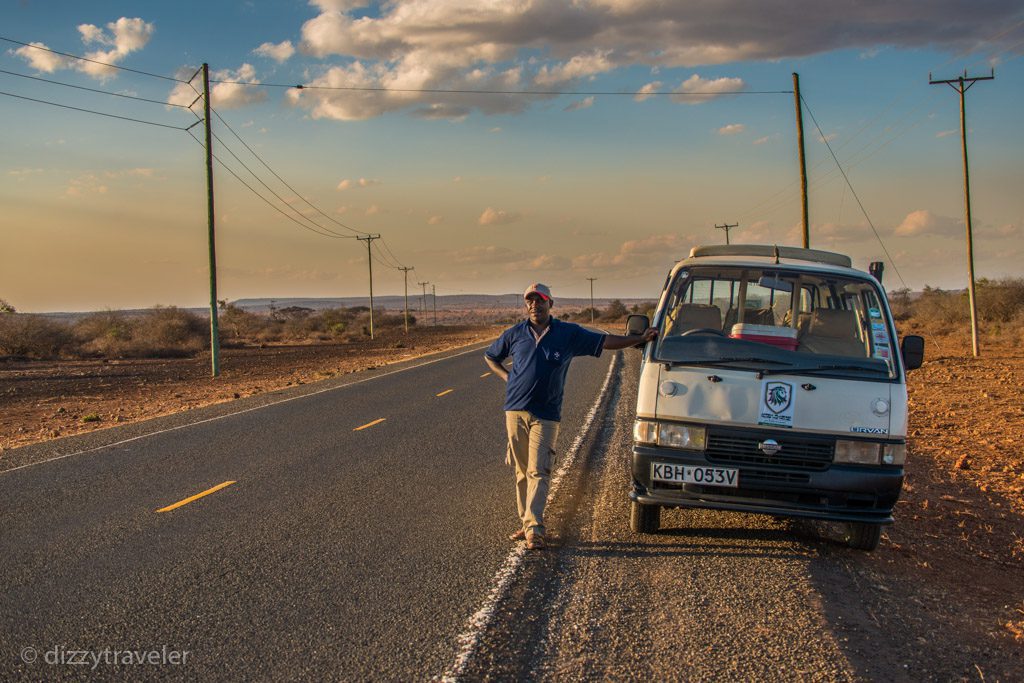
(494, 142)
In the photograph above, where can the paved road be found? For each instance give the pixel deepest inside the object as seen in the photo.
(337, 553)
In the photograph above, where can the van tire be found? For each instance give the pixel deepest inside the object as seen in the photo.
(644, 519)
(864, 535)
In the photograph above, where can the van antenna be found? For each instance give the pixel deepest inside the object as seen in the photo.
(775, 250)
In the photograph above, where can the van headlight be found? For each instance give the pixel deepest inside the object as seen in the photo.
(870, 453)
(670, 434)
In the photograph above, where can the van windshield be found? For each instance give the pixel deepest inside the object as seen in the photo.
(772, 320)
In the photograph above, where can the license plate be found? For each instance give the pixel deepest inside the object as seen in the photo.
(694, 474)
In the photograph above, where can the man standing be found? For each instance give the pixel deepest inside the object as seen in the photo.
(542, 348)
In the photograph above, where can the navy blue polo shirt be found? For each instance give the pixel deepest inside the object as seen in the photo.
(537, 378)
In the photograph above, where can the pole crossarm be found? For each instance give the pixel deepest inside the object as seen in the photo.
(727, 227)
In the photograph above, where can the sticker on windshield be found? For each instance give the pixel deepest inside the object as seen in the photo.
(875, 325)
(874, 313)
(776, 405)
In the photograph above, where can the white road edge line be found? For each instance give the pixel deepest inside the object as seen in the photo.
(481, 619)
(240, 412)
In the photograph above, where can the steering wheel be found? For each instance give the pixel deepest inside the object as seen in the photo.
(703, 330)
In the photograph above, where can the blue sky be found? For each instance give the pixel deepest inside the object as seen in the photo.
(485, 193)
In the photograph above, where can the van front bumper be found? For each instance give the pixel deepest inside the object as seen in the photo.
(846, 493)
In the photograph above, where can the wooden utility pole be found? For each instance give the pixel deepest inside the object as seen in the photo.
(962, 84)
(591, 299)
(212, 248)
(405, 272)
(369, 259)
(423, 299)
(727, 227)
(433, 299)
(803, 161)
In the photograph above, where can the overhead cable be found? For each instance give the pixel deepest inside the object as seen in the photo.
(97, 90)
(90, 111)
(91, 61)
(854, 193)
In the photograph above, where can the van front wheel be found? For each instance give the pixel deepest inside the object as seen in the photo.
(644, 519)
(864, 535)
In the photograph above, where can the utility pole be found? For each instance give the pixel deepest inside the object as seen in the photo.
(369, 259)
(727, 227)
(433, 299)
(962, 84)
(803, 161)
(405, 272)
(423, 299)
(214, 333)
(591, 299)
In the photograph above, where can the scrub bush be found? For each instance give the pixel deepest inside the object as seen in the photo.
(34, 336)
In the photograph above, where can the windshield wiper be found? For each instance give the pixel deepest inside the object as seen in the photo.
(723, 362)
(817, 368)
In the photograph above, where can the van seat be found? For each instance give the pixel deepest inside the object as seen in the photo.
(752, 316)
(694, 316)
(832, 332)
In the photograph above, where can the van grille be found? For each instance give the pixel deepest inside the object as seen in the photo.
(795, 452)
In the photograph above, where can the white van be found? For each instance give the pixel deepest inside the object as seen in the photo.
(776, 386)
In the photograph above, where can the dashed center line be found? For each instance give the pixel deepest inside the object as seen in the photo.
(446, 391)
(196, 497)
(486, 374)
(370, 424)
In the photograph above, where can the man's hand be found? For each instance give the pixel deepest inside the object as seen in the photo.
(616, 341)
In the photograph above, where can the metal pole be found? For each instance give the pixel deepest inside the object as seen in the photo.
(405, 271)
(803, 161)
(214, 332)
(962, 84)
(369, 259)
(433, 299)
(591, 299)
(423, 299)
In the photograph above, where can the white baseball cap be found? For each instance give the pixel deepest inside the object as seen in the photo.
(538, 288)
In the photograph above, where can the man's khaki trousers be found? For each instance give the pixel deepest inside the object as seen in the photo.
(531, 448)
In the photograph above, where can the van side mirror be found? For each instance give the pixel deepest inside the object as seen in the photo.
(912, 349)
(637, 324)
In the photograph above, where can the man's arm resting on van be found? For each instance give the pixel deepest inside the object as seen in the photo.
(617, 341)
(497, 368)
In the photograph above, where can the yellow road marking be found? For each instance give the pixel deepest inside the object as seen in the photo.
(446, 391)
(370, 424)
(190, 499)
(485, 374)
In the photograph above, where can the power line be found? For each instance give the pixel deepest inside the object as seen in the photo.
(283, 181)
(97, 90)
(854, 193)
(91, 111)
(268, 202)
(91, 61)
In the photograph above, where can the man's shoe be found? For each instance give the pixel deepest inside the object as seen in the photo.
(534, 540)
(519, 535)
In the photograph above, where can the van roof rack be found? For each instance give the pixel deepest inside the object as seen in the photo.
(797, 253)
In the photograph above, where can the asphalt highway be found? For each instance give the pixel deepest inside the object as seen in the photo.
(346, 534)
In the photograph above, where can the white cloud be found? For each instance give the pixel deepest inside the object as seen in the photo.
(946, 133)
(121, 38)
(41, 60)
(924, 222)
(585, 103)
(638, 254)
(507, 260)
(435, 220)
(361, 183)
(545, 44)
(695, 90)
(827, 138)
(373, 210)
(647, 91)
(732, 129)
(280, 52)
(492, 216)
(496, 129)
(232, 93)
